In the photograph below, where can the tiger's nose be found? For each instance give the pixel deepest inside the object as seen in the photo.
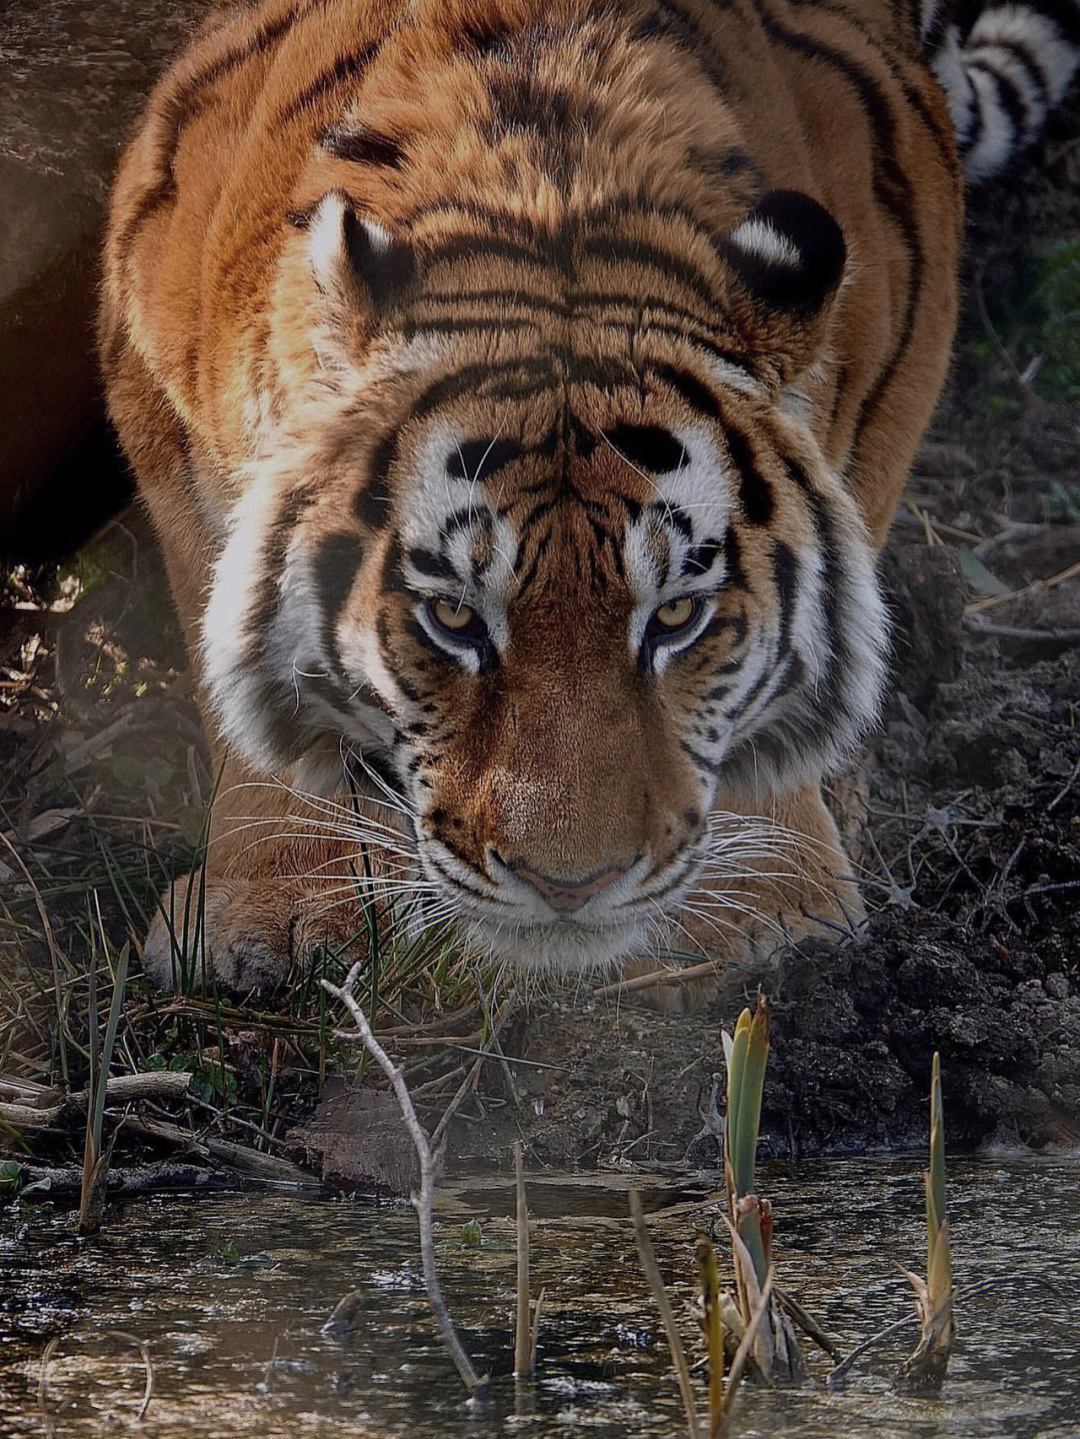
(566, 896)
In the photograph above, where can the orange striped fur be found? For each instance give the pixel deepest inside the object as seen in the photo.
(573, 264)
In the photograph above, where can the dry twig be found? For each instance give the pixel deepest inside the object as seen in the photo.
(422, 1200)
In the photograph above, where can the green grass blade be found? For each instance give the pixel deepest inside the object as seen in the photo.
(751, 1087)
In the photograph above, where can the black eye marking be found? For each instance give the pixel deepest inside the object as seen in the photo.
(459, 623)
(476, 457)
(675, 518)
(436, 567)
(648, 446)
(455, 629)
(702, 557)
(669, 629)
(475, 520)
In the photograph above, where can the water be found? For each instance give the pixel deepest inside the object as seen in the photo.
(229, 1295)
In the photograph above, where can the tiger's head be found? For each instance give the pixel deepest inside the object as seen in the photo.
(556, 552)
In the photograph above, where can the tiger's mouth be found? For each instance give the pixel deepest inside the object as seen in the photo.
(534, 933)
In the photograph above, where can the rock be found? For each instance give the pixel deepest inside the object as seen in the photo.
(74, 77)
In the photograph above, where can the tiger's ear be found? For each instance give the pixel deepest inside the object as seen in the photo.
(787, 259)
(356, 258)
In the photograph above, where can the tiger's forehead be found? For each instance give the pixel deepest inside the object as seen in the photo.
(645, 506)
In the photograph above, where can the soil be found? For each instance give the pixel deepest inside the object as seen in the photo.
(964, 812)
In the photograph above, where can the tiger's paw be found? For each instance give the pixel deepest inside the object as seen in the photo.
(749, 953)
(247, 935)
(778, 886)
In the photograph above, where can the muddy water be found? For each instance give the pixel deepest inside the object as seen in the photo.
(229, 1295)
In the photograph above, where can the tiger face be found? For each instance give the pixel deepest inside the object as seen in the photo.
(553, 585)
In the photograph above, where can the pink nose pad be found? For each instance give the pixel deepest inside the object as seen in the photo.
(568, 897)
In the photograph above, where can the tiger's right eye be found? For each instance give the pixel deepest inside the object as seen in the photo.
(452, 617)
(459, 623)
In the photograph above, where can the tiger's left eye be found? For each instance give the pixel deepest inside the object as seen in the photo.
(670, 622)
(678, 620)
(675, 615)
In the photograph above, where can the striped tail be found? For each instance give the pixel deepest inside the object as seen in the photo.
(1004, 77)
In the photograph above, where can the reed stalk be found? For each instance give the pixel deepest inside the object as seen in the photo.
(934, 1295)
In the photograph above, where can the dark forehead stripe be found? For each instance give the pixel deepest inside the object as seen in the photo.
(673, 516)
(434, 566)
(702, 557)
(616, 250)
(476, 458)
(346, 67)
(649, 446)
(727, 164)
(521, 102)
(697, 396)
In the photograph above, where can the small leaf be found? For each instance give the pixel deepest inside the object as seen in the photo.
(49, 821)
(10, 1177)
(978, 576)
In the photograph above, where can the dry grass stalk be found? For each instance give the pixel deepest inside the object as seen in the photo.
(659, 1293)
(96, 1161)
(525, 1332)
(712, 1324)
(54, 953)
(934, 1295)
(422, 1200)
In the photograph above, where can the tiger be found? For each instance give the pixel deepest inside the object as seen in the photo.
(521, 392)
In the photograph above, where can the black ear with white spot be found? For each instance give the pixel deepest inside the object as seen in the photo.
(789, 252)
(351, 255)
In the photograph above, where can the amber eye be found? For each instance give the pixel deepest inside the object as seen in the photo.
(453, 617)
(672, 621)
(675, 614)
(457, 622)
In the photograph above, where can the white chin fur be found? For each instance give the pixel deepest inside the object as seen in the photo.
(561, 948)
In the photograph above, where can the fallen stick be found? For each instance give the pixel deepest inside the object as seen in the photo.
(122, 1089)
(66, 1183)
(236, 1156)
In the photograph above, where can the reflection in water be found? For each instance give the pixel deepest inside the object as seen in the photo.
(237, 1346)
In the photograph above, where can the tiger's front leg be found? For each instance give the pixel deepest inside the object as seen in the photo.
(777, 874)
(286, 876)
